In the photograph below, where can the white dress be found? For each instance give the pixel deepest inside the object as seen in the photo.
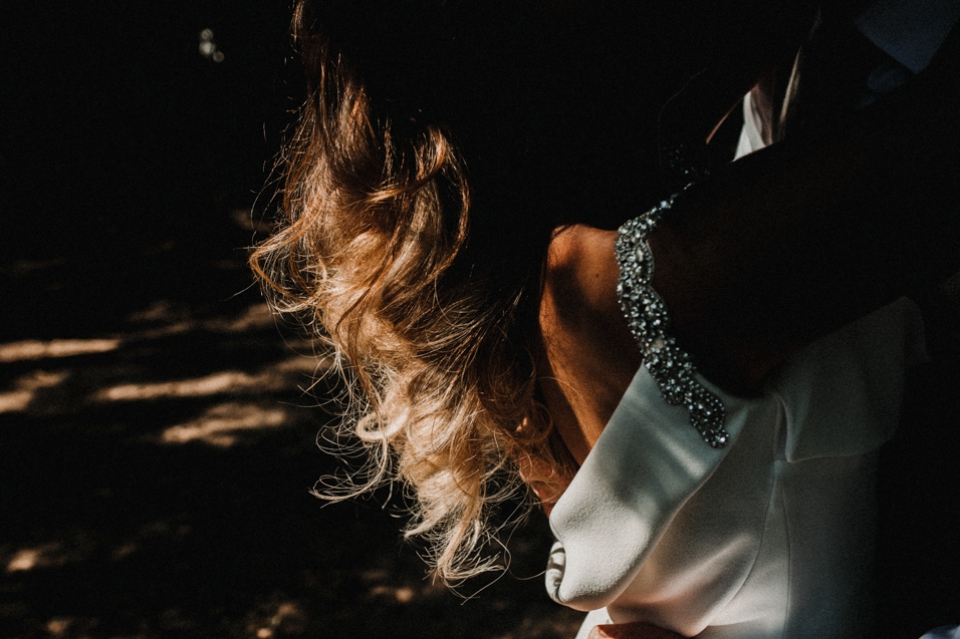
(768, 537)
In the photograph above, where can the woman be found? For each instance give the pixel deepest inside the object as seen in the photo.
(476, 349)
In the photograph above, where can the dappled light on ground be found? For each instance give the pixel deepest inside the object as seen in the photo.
(84, 374)
(157, 440)
(30, 558)
(34, 349)
(384, 587)
(255, 316)
(275, 378)
(288, 619)
(58, 627)
(19, 397)
(219, 424)
(157, 479)
(48, 555)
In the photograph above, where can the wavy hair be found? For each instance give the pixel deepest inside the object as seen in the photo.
(376, 253)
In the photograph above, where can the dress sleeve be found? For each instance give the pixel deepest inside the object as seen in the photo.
(839, 399)
(866, 360)
(646, 464)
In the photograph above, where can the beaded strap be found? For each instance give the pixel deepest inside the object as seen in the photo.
(646, 315)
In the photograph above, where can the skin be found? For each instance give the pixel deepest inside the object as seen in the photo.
(636, 630)
(589, 356)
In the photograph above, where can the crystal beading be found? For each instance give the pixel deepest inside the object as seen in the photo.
(647, 317)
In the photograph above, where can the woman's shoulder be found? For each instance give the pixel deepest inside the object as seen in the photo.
(581, 268)
(589, 356)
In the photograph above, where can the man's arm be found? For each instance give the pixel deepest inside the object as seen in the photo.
(796, 240)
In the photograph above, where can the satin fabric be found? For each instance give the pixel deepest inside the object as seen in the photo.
(770, 536)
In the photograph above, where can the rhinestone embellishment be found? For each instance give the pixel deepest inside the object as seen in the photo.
(647, 318)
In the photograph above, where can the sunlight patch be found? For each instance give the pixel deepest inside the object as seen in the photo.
(160, 311)
(125, 550)
(219, 425)
(224, 382)
(403, 594)
(26, 389)
(35, 349)
(273, 378)
(399, 593)
(59, 626)
(244, 218)
(15, 402)
(284, 619)
(43, 556)
(254, 317)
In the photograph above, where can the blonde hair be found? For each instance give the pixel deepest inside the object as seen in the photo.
(372, 253)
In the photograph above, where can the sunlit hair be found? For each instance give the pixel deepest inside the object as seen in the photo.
(376, 253)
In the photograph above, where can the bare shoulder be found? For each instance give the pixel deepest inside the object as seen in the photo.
(589, 354)
(581, 273)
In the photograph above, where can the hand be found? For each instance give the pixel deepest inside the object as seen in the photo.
(636, 630)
